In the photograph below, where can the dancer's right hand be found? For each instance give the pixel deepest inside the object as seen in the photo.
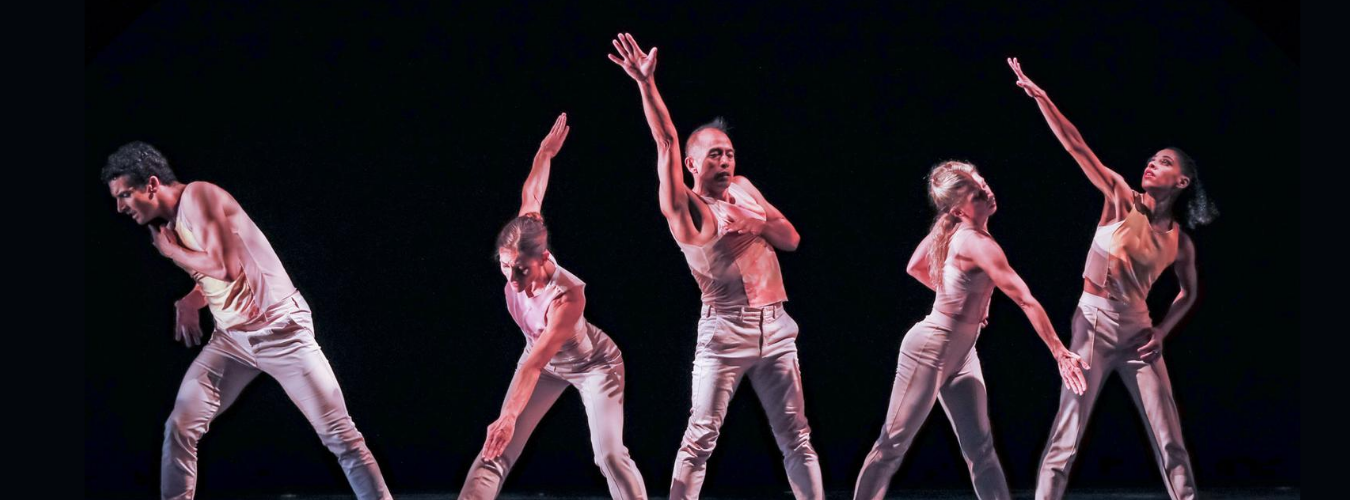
(1071, 368)
(638, 64)
(187, 325)
(499, 435)
(1032, 89)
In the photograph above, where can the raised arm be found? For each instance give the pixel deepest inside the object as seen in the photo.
(1188, 283)
(673, 193)
(990, 258)
(221, 246)
(776, 229)
(1110, 183)
(532, 195)
(563, 315)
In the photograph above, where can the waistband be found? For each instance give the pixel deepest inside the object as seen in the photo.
(282, 308)
(1112, 305)
(941, 319)
(767, 313)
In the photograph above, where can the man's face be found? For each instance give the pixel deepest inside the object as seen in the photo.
(137, 202)
(712, 160)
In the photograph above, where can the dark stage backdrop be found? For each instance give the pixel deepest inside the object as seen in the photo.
(380, 148)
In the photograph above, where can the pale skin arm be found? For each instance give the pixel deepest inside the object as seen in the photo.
(187, 320)
(564, 313)
(1110, 183)
(674, 195)
(1188, 281)
(776, 229)
(221, 246)
(532, 195)
(918, 263)
(989, 257)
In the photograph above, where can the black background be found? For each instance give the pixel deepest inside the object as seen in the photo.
(381, 147)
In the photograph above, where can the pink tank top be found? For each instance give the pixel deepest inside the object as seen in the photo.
(736, 269)
(264, 281)
(1127, 256)
(964, 294)
(531, 313)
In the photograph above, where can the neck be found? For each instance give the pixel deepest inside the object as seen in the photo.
(169, 198)
(704, 190)
(978, 225)
(1159, 203)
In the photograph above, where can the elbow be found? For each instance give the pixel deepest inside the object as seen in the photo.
(917, 270)
(1028, 304)
(792, 242)
(663, 142)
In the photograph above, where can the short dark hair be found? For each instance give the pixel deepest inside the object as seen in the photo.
(138, 161)
(717, 123)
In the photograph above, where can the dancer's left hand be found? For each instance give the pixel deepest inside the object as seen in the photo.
(1071, 367)
(1152, 349)
(499, 435)
(553, 142)
(748, 225)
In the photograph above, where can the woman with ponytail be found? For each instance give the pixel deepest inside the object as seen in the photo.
(1137, 239)
(960, 261)
(562, 349)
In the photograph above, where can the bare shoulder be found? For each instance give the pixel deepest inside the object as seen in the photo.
(1185, 248)
(743, 181)
(202, 192)
(980, 246)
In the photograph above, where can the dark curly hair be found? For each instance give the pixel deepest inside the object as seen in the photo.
(138, 161)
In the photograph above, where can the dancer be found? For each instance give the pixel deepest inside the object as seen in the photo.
(262, 323)
(1137, 238)
(728, 233)
(960, 261)
(562, 349)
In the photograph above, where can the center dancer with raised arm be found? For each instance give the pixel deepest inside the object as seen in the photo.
(562, 349)
(728, 233)
(960, 261)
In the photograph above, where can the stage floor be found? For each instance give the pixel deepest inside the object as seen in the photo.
(1085, 494)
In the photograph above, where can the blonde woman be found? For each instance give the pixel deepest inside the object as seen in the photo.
(962, 263)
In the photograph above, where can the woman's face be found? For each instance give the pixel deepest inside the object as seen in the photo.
(520, 271)
(981, 203)
(1164, 171)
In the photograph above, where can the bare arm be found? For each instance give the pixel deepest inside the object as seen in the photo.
(990, 258)
(221, 246)
(1110, 183)
(563, 316)
(1188, 281)
(777, 230)
(918, 263)
(673, 194)
(532, 195)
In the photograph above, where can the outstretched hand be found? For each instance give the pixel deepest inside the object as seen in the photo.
(499, 435)
(553, 142)
(1022, 81)
(638, 64)
(1071, 368)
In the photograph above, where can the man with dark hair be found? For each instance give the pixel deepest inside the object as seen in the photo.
(728, 233)
(262, 323)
